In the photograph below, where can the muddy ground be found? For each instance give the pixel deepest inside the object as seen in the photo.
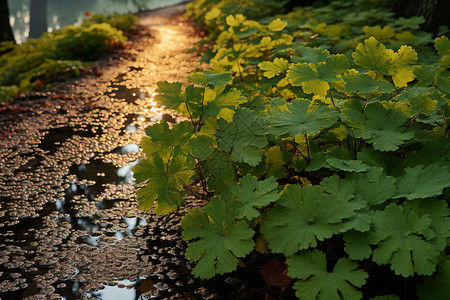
(70, 226)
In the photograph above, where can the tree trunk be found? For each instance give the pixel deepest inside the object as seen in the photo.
(5, 27)
(436, 12)
(38, 18)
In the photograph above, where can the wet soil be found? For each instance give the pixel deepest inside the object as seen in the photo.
(70, 225)
(69, 221)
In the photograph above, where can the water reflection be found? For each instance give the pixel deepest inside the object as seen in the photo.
(65, 12)
(124, 290)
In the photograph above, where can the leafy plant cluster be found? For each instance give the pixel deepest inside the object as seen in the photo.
(59, 54)
(336, 159)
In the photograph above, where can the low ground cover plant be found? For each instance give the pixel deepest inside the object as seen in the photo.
(60, 54)
(324, 142)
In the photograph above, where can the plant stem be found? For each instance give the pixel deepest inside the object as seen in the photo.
(239, 69)
(202, 178)
(189, 112)
(307, 147)
(298, 150)
(368, 96)
(445, 122)
(360, 144)
(196, 195)
(410, 123)
(331, 96)
(168, 162)
(201, 110)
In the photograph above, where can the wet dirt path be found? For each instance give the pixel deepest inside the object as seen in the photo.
(69, 221)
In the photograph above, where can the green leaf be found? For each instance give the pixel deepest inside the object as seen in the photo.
(198, 78)
(348, 165)
(341, 189)
(442, 45)
(221, 240)
(218, 78)
(413, 22)
(302, 217)
(274, 162)
(310, 55)
(345, 190)
(169, 94)
(271, 69)
(316, 283)
(314, 78)
(298, 121)
(443, 81)
(365, 84)
(418, 100)
(436, 287)
(165, 183)
(375, 187)
(221, 105)
(201, 146)
(219, 170)
(405, 241)
(357, 244)
(439, 213)
(193, 97)
(423, 182)
(373, 56)
(162, 140)
(244, 137)
(380, 126)
(424, 74)
(250, 194)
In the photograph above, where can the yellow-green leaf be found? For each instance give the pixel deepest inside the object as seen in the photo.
(271, 69)
(277, 25)
(401, 69)
(373, 56)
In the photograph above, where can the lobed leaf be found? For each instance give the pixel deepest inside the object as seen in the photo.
(165, 182)
(221, 240)
(405, 242)
(303, 216)
(373, 56)
(310, 55)
(315, 78)
(436, 287)
(271, 69)
(316, 283)
(380, 126)
(250, 194)
(298, 121)
(422, 182)
(168, 94)
(244, 137)
(400, 68)
(365, 84)
(162, 140)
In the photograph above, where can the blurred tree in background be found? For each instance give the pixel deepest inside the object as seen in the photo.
(38, 18)
(436, 12)
(5, 28)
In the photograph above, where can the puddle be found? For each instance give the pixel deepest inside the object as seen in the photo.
(70, 225)
(54, 137)
(118, 89)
